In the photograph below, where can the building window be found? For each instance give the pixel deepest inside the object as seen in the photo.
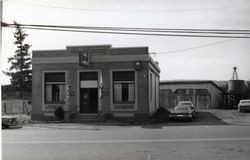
(124, 87)
(55, 87)
(151, 87)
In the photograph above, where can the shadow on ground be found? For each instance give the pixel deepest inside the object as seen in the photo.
(159, 120)
(202, 118)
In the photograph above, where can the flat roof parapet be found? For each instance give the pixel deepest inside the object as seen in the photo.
(129, 51)
(91, 49)
(49, 53)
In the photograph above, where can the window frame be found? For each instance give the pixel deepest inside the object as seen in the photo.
(122, 107)
(123, 82)
(46, 103)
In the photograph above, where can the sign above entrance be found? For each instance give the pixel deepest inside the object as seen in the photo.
(88, 84)
(83, 58)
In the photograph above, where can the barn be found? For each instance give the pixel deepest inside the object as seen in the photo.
(204, 94)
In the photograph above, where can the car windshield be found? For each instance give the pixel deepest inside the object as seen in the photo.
(244, 102)
(185, 103)
(181, 109)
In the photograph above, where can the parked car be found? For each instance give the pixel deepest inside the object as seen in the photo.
(184, 110)
(244, 105)
(9, 121)
(189, 103)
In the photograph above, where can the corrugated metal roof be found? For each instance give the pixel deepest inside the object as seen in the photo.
(191, 82)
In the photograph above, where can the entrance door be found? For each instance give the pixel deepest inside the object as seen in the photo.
(88, 92)
(89, 100)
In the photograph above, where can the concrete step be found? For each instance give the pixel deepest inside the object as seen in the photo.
(85, 118)
(85, 115)
(82, 118)
(84, 121)
(78, 117)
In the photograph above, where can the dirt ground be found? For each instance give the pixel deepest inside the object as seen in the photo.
(203, 117)
(231, 116)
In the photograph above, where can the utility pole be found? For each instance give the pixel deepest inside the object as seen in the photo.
(1, 18)
(1, 14)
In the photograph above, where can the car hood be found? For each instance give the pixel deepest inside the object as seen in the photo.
(8, 116)
(245, 104)
(180, 111)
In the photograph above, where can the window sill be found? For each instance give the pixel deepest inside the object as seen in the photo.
(54, 103)
(123, 103)
(124, 107)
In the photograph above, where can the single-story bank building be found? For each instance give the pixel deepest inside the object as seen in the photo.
(106, 82)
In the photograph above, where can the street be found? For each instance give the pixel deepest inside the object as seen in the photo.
(110, 142)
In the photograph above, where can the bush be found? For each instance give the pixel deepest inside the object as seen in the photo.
(160, 116)
(59, 113)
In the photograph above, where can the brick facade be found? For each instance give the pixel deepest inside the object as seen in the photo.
(104, 60)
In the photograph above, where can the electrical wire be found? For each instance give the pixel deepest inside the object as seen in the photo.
(136, 33)
(192, 48)
(213, 33)
(140, 29)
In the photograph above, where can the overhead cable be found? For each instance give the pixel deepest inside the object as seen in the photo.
(215, 33)
(195, 30)
(196, 47)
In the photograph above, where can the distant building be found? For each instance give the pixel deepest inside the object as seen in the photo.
(203, 94)
(101, 81)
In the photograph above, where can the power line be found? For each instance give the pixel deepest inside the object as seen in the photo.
(192, 48)
(212, 33)
(133, 28)
(203, 31)
(135, 33)
(124, 30)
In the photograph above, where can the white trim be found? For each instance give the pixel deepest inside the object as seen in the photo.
(55, 82)
(124, 81)
(111, 91)
(104, 58)
(55, 60)
(43, 86)
(119, 58)
(89, 84)
(49, 114)
(153, 69)
(152, 92)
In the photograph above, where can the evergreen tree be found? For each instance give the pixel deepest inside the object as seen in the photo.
(20, 70)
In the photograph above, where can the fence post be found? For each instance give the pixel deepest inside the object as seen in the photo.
(4, 108)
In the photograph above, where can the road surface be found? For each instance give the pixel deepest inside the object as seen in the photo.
(148, 142)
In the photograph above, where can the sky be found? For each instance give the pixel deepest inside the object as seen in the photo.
(180, 58)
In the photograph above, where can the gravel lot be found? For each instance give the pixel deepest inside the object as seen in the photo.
(231, 116)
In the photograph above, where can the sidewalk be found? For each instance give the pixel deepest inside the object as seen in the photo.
(71, 126)
(204, 117)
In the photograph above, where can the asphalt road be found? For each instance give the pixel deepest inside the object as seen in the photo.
(148, 142)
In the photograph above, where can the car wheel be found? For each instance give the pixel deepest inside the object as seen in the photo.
(4, 126)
